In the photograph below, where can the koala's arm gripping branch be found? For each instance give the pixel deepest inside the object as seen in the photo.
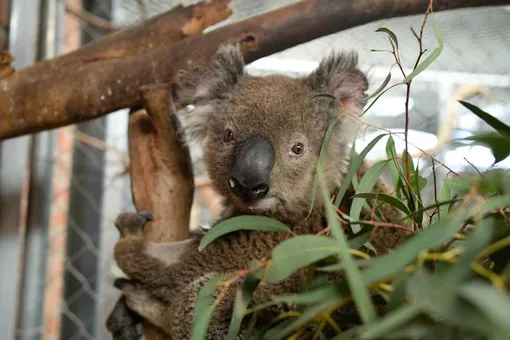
(70, 90)
(161, 171)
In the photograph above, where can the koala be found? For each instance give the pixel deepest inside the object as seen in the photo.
(261, 137)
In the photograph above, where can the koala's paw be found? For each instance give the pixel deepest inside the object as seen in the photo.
(120, 283)
(131, 224)
(136, 297)
(123, 323)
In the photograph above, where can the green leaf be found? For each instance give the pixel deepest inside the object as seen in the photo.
(405, 156)
(441, 204)
(430, 237)
(460, 184)
(499, 202)
(243, 297)
(499, 126)
(299, 252)
(204, 308)
(379, 96)
(461, 270)
(322, 154)
(432, 56)
(418, 183)
(491, 302)
(391, 35)
(393, 320)
(359, 291)
(361, 237)
(312, 297)
(397, 297)
(430, 170)
(495, 181)
(355, 164)
(380, 89)
(360, 263)
(304, 319)
(445, 195)
(251, 222)
(366, 184)
(391, 153)
(395, 202)
(499, 145)
(438, 294)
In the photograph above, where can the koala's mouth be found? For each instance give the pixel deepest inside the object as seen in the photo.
(254, 206)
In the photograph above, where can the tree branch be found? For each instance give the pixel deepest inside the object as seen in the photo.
(100, 79)
(161, 173)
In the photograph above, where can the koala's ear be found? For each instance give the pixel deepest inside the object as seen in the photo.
(338, 74)
(207, 87)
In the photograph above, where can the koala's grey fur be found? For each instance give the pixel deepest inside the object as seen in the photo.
(166, 278)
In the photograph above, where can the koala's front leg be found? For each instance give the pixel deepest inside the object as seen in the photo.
(143, 261)
(141, 301)
(123, 323)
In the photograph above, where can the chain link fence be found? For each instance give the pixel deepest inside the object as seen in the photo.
(89, 182)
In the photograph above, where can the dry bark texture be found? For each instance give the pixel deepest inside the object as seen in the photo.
(105, 75)
(161, 172)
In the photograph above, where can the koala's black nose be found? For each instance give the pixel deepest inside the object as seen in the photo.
(250, 175)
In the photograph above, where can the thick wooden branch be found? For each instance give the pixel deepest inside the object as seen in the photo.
(160, 31)
(160, 169)
(91, 83)
(161, 173)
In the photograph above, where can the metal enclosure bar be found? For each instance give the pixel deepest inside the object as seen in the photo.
(82, 276)
(34, 259)
(22, 35)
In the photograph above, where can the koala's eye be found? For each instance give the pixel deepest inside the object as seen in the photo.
(228, 136)
(297, 149)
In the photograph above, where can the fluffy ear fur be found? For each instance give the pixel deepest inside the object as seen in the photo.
(339, 75)
(208, 87)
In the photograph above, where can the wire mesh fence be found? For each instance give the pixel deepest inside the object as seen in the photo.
(89, 178)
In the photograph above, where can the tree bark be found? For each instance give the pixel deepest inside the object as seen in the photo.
(90, 83)
(161, 172)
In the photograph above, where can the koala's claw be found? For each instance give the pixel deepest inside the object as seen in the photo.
(131, 223)
(121, 283)
(146, 215)
(123, 323)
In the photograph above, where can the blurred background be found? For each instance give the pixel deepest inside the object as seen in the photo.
(61, 190)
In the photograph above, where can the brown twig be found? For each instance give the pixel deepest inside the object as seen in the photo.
(143, 10)
(89, 18)
(473, 166)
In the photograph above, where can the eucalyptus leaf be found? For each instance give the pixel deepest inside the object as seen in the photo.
(331, 292)
(498, 144)
(299, 252)
(243, 297)
(499, 126)
(322, 154)
(204, 308)
(366, 184)
(390, 33)
(355, 164)
(494, 304)
(393, 201)
(245, 222)
(381, 88)
(431, 57)
(393, 320)
(430, 237)
(359, 291)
